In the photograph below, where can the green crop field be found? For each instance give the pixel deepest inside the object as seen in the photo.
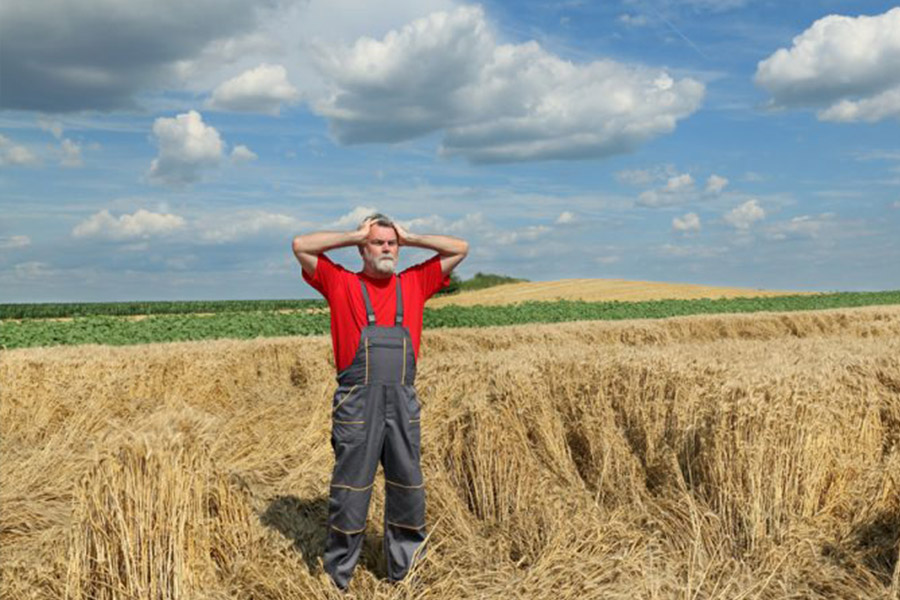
(84, 309)
(247, 323)
(186, 307)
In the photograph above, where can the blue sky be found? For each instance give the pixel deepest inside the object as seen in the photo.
(171, 150)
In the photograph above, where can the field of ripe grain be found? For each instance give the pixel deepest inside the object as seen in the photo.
(596, 290)
(720, 456)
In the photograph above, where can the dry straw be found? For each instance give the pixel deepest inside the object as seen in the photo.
(733, 456)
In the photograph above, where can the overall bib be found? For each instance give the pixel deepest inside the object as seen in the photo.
(375, 416)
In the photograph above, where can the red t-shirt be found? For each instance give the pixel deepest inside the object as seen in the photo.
(341, 289)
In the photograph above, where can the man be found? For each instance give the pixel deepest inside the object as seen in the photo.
(376, 326)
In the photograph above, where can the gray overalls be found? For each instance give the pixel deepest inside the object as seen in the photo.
(375, 416)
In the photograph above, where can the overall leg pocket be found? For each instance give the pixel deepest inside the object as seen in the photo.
(414, 414)
(413, 406)
(348, 412)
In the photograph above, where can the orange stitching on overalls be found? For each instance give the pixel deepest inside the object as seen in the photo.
(348, 532)
(403, 374)
(409, 487)
(367, 360)
(350, 422)
(350, 487)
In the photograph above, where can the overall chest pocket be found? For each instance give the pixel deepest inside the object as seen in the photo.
(386, 359)
(387, 343)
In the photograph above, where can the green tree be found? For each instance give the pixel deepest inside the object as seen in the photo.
(453, 287)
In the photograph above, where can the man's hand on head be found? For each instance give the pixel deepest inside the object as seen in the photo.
(362, 232)
(403, 235)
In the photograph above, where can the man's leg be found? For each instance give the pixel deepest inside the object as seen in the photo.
(404, 511)
(356, 436)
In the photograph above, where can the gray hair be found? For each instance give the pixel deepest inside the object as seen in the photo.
(380, 219)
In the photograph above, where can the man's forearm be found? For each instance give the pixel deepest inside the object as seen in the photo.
(322, 241)
(443, 244)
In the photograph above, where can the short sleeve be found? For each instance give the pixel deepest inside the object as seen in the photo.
(431, 278)
(323, 280)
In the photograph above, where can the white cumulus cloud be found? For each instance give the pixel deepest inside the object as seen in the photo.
(565, 218)
(263, 89)
(247, 224)
(242, 153)
(142, 224)
(715, 184)
(61, 56)
(877, 108)
(354, 217)
(13, 154)
(688, 223)
(494, 102)
(849, 65)
(745, 215)
(675, 191)
(679, 183)
(528, 233)
(187, 146)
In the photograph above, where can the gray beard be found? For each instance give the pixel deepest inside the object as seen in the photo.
(382, 266)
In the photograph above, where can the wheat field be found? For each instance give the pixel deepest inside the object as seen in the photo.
(597, 290)
(725, 456)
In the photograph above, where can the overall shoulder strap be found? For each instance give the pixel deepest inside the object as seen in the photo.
(370, 314)
(398, 320)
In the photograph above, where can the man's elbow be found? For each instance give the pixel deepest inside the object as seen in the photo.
(297, 244)
(461, 250)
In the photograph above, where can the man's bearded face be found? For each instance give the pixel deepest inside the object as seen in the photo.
(381, 250)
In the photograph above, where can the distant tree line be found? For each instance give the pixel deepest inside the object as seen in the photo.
(477, 282)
